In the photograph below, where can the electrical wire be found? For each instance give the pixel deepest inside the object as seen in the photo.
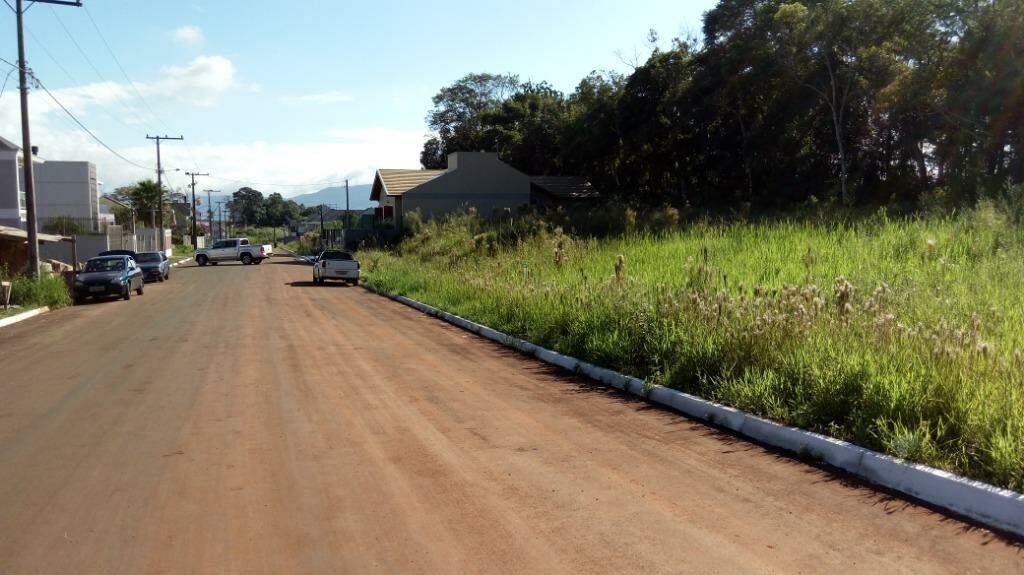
(75, 118)
(89, 61)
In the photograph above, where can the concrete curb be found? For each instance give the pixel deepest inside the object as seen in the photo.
(999, 508)
(23, 316)
(182, 262)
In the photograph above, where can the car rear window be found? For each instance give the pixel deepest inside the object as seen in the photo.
(148, 258)
(344, 256)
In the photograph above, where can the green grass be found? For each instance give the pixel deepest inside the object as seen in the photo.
(901, 336)
(49, 290)
(181, 251)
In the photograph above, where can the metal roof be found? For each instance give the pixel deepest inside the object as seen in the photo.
(397, 182)
(20, 234)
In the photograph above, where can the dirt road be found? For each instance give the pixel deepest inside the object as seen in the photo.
(240, 420)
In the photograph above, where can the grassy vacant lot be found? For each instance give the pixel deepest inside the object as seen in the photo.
(903, 336)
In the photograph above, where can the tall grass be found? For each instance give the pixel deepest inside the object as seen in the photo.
(902, 336)
(49, 290)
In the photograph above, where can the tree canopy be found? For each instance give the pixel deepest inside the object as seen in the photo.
(863, 101)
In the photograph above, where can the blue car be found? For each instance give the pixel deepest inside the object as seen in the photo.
(154, 265)
(106, 276)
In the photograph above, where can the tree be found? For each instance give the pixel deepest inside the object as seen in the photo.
(458, 113)
(246, 206)
(278, 211)
(144, 199)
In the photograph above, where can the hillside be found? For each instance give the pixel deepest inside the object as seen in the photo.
(359, 196)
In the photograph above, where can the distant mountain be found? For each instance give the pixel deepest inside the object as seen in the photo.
(359, 197)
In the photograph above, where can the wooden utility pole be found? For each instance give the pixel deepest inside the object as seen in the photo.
(26, 137)
(348, 213)
(160, 184)
(209, 210)
(193, 176)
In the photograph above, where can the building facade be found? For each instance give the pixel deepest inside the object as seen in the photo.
(68, 190)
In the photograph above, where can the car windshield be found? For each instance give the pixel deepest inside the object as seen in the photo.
(151, 257)
(105, 265)
(344, 256)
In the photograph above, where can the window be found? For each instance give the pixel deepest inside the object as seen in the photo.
(243, 242)
(105, 265)
(336, 255)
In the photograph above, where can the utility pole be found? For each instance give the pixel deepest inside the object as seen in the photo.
(193, 176)
(220, 219)
(160, 184)
(209, 210)
(26, 137)
(348, 212)
(323, 232)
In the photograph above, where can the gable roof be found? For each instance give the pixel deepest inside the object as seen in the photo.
(6, 144)
(565, 187)
(397, 182)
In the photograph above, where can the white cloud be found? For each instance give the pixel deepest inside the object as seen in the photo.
(353, 153)
(189, 36)
(320, 98)
(201, 82)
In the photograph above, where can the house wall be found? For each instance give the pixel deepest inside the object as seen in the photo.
(479, 180)
(89, 245)
(10, 205)
(67, 189)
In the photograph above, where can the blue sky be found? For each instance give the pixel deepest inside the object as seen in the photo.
(298, 92)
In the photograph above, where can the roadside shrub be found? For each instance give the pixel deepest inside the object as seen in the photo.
(50, 290)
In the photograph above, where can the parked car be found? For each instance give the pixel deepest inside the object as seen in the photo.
(154, 265)
(234, 250)
(108, 276)
(336, 265)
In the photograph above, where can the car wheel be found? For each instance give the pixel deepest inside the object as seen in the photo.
(79, 300)
(167, 275)
(141, 287)
(246, 259)
(202, 260)
(127, 293)
(160, 279)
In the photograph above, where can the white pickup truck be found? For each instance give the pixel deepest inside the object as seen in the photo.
(233, 250)
(336, 265)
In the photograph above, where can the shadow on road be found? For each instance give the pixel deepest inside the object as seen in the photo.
(316, 285)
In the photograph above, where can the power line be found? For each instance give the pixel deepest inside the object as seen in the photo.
(89, 61)
(73, 117)
(306, 185)
(120, 67)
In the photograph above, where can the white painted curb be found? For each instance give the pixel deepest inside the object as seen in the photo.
(984, 503)
(23, 316)
(182, 262)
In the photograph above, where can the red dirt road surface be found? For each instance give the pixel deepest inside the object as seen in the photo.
(241, 420)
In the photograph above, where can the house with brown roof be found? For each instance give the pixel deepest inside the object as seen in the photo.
(472, 180)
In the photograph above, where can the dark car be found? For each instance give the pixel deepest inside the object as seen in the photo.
(154, 265)
(108, 276)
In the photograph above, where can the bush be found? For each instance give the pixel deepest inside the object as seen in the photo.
(50, 290)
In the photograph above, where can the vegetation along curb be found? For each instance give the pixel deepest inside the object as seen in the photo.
(23, 316)
(999, 508)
